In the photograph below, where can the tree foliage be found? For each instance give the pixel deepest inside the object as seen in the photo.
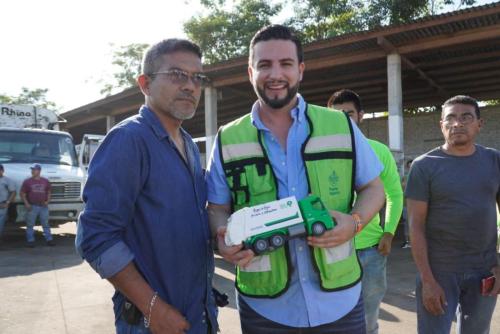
(36, 97)
(225, 33)
(127, 59)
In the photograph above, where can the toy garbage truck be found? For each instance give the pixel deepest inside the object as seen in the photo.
(266, 227)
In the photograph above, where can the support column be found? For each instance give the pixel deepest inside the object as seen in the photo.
(210, 119)
(110, 122)
(395, 103)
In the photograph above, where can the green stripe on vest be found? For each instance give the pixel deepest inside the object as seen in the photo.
(329, 160)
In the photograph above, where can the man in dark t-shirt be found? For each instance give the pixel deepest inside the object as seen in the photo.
(35, 193)
(452, 192)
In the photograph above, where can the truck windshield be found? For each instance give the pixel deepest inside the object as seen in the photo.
(31, 147)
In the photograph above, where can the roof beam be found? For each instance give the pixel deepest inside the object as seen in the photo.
(390, 48)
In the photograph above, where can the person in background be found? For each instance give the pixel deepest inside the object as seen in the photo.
(452, 193)
(7, 194)
(35, 193)
(375, 241)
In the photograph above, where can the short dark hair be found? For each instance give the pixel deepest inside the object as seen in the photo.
(152, 56)
(280, 32)
(1, 167)
(462, 99)
(345, 96)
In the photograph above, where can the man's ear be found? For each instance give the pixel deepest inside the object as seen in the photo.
(143, 81)
(250, 74)
(360, 116)
(302, 67)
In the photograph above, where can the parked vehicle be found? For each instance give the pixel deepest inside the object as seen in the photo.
(31, 135)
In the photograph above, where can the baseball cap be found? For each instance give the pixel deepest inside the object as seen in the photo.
(36, 166)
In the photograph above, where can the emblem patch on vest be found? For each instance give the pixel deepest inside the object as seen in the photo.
(333, 179)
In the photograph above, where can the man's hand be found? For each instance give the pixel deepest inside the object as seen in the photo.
(233, 254)
(46, 203)
(167, 320)
(4, 205)
(28, 206)
(384, 245)
(433, 298)
(342, 232)
(496, 288)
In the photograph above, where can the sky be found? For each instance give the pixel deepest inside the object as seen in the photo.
(65, 45)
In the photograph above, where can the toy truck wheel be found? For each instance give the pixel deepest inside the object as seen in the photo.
(318, 229)
(260, 246)
(277, 240)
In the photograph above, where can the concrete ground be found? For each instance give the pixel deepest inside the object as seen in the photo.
(49, 290)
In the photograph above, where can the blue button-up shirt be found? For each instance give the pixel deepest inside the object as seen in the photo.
(304, 304)
(144, 203)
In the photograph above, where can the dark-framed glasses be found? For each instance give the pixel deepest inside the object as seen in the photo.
(180, 77)
(463, 119)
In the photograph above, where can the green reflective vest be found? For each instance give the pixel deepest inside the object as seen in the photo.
(329, 157)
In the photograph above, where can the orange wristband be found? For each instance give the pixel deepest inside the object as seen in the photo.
(358, 225)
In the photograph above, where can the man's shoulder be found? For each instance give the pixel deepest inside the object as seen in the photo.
(243, 120)
(490, 151)
(378, 146)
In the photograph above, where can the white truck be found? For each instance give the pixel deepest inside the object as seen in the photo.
(31, 135)
(87, 149)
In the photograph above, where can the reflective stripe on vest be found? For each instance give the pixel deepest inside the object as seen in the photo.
(329, 160)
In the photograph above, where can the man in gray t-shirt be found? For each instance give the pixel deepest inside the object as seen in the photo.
(452, 192)
(7, 194)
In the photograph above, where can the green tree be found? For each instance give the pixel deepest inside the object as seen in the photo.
(226, 33)
(36, 97)
(127, 61)
(320, 19)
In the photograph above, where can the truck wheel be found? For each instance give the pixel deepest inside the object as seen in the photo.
(318, 229)
(277, 240)
(260, 246)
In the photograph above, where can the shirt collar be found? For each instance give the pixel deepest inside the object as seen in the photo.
(297, 113)
(154, 122)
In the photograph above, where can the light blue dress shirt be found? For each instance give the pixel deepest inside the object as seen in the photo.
(304, 304)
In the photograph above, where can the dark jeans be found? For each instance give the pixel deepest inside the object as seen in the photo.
(462, 291)
(254, 323)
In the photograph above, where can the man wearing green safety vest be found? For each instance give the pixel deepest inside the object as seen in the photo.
(374, 242)
(286, 147)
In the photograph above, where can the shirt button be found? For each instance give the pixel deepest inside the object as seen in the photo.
(304, 279)
(283, 163)
(300, 248)
(204, 313)
(293, 189)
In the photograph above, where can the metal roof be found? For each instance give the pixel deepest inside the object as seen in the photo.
(443, 55)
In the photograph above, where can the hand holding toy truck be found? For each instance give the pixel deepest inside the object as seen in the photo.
(266, 227)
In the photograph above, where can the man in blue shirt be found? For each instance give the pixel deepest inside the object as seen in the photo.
(145, 227)
(279, 115)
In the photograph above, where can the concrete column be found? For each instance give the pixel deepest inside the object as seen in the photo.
(110, 122)
(210, 119)
(395, 103)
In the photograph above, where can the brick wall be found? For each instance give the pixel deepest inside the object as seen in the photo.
(422, 132)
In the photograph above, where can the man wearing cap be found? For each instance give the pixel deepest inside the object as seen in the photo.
(35, 193)
(7, 194)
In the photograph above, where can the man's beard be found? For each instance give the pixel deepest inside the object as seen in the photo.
(276, 103)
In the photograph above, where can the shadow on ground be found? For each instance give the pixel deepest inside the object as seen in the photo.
(13, 251)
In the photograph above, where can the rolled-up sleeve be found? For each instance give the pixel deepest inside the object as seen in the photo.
(112, 188)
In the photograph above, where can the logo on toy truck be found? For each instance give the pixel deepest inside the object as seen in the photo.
(266, 227)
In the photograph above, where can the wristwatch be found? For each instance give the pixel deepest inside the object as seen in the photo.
(358, 225)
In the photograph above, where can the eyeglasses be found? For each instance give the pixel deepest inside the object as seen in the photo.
(463, 119)
(180, 77)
